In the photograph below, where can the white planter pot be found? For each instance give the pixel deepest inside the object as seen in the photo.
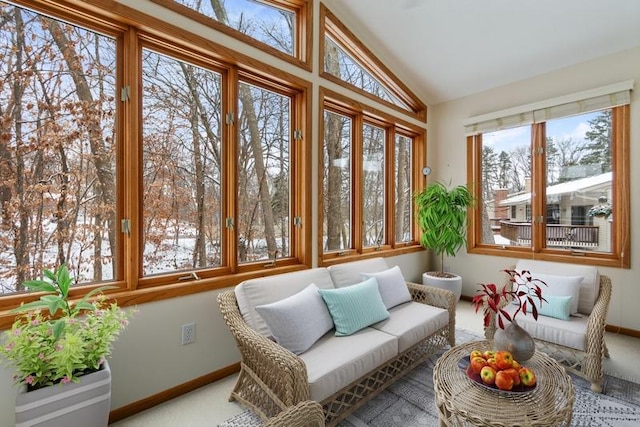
(83, 404)
(453, 284)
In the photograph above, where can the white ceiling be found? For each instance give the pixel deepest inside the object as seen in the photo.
(447, 49)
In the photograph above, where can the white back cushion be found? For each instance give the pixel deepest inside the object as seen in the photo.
(589, 288)
(350, 273)
(266, 290)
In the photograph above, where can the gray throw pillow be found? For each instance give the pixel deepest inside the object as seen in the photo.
(392, 286)
(298, 321)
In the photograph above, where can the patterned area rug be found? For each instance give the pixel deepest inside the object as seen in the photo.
(410, 402)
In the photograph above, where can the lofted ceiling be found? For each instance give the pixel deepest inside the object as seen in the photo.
(448, 49)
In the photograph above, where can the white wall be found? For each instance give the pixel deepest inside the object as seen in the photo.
(447, 156)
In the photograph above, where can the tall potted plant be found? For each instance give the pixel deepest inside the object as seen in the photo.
(58, 348)
(442, 217)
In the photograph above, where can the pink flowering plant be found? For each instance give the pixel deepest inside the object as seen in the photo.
(46, 348)
(522, 287)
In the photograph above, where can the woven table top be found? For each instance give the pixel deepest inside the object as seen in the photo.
(461, 401)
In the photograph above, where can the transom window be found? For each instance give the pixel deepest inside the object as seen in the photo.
(280, 27)
(346, 61)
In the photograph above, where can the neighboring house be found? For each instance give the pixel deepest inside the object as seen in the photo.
(568, 222)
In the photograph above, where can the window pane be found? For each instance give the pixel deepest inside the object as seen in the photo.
(506, 187)
(579, 186)
(264, 131)
(181, 165)
(266, 23)
(336, 183)
(339, 64)
(57, 149)
(373, 195)
(403, 211)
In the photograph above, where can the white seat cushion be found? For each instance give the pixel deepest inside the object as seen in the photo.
(266, 290)
(335, 362)
(350, 273)
(412, 322)
(569, 333)
(589, 288)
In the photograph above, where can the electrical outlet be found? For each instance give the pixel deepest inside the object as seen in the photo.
(188, 333)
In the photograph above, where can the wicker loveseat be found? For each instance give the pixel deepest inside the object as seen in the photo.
(339, 372)
(577, 343)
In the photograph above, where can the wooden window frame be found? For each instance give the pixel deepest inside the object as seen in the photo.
(135, 30)
(332, 26)
(620, 252)
(303, 37)
(340, 104)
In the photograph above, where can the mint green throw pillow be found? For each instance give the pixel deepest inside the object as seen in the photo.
(355, 307)
(555, 306)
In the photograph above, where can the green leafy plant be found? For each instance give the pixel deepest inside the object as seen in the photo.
(522, 286)
(46, 347)
(600, 211)
(442, 217)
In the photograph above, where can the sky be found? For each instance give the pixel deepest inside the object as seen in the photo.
(565, 128)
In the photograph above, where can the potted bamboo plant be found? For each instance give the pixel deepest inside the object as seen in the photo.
(442, 217)
(58, 348)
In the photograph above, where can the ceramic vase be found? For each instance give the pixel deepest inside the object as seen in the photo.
(516, 340)
(83, 404)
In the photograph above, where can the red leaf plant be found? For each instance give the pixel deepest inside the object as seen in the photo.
(521, 286)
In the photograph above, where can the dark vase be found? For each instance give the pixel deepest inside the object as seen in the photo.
(515, 340)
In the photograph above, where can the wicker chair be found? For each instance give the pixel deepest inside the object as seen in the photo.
(588, 363)
(305, 414)
(273, 379)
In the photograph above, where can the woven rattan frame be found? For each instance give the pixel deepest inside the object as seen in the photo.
(304, 414)
(272, 379)
(462, 402)
(587, 364)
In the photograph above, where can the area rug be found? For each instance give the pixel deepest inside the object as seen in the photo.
(410, 401)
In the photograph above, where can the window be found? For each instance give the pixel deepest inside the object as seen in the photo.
(58, 149)
(403, 188)
(264, 130)
(181, 154)
(368, 160)
(561, 171)
(141, 162)
(279, 27)
(346, 61)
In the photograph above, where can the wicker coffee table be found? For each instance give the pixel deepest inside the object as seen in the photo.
(461, 401)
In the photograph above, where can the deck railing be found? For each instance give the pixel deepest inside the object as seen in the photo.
(557, 235)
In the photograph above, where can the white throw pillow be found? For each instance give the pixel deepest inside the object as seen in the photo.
(560, 286)
(298, 321)
(392, 286)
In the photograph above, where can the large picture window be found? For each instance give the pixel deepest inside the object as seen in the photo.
(554, 180)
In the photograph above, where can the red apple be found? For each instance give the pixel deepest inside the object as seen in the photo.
(477, 363)
(492, 362)
(488, 375)
(475, 353)
(504, 359)
(503, 380)
(527, 377)
(516, 365)
(514, 374)
(488, 354)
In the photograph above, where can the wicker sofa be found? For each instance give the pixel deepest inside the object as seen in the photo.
(577, 343)
(339, 372)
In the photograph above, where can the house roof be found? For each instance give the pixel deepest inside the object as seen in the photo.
(569, 187)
